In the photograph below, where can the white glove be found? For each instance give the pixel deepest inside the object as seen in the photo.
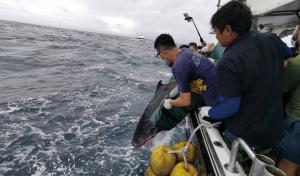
(204, 111)
(212, 60)
(204, 49)
(167, 104)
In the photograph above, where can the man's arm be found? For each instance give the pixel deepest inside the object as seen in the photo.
(226, 108)
(229, 89)
(295, 33)
(291, 74)
(184, 99)
(183, 79)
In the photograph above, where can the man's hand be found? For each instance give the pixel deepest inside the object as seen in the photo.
(204, 111)
(167, 104)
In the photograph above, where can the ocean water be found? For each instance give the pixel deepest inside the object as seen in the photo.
(70, 101)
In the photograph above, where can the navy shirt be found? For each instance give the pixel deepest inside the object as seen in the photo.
(252, 69)
(195, 72)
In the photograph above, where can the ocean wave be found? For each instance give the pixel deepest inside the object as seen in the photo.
(9, 109)
(63, 47)
(71, 100)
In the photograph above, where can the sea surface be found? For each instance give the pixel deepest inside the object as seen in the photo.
(70, 101)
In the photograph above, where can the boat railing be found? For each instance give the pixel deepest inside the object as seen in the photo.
(261, 164)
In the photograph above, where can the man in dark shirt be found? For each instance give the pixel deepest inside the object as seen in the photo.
(249, 79)
(192, 71)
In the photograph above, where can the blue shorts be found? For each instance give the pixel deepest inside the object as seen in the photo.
(289, 145)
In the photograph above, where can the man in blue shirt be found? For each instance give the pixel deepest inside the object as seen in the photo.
(192, 71)
(249, 80)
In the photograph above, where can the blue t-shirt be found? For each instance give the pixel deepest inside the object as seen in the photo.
(195, 72)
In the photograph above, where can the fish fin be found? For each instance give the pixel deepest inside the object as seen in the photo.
(158, 85)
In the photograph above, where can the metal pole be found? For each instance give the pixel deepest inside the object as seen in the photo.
(201, 39)
(218, 5)
(234, 151)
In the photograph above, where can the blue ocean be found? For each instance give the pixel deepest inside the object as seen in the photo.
(70, 101)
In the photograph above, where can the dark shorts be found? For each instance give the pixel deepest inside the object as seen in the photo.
(289, 146)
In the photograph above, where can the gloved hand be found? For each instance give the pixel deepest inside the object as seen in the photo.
(204, 111)
(204, 49)
(167, 104)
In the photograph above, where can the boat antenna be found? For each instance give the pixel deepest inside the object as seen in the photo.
(218, 5)
(189, 19)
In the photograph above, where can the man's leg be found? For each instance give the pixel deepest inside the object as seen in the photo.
(289, 147)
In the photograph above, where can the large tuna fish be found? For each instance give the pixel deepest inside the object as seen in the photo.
(145, 129)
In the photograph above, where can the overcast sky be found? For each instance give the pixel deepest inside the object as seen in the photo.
(120, 17)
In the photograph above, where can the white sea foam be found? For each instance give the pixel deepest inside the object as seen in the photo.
(98, 67)
(162, 138)
(167, 74)
(11, 108)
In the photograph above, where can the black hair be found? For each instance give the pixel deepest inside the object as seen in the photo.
(183, 46)
(235, 14)
(165, 41)
(199, 47)
(193, 44)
